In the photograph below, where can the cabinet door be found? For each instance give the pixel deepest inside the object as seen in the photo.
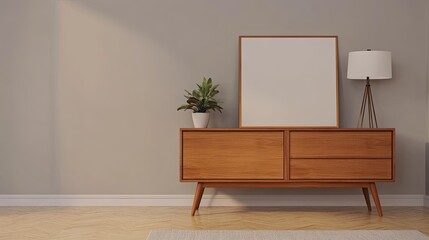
(232, 155)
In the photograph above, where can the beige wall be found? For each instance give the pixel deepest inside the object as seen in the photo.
(89, 88)
(427, 97)
(26, 112)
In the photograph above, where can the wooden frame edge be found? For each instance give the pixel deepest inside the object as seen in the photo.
(181, 155)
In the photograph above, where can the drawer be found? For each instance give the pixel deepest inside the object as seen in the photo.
(341, 144)
(232, 155)
(376, 169)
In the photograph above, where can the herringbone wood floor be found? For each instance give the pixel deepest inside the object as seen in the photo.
(121, 223)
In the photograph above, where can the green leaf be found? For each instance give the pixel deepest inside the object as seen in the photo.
(193, 100)
(183, 107)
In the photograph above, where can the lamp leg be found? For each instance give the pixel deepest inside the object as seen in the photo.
(372, 107)
(362, 108)
(367, 100)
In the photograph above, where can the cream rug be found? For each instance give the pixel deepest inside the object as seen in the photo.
(286, 235)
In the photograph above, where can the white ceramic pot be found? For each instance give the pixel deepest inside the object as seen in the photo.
(201, 120)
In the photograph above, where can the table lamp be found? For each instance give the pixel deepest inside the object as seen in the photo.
(369, 65)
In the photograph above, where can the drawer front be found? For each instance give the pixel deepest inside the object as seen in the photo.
(232, 155)
(358, 169)
(342, 144)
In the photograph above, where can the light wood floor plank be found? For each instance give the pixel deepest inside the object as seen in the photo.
(136, 222)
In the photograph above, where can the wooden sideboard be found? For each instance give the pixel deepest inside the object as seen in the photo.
(294, 158)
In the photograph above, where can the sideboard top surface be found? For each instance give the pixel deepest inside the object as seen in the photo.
(287, 129)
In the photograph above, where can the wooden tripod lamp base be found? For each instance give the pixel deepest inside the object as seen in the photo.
(367, 102)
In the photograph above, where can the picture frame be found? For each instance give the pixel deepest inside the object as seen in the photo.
(288, 81)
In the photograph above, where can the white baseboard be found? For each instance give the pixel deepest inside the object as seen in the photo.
(208, 200)
(427, 201)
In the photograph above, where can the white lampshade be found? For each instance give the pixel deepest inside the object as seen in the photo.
(372, 64)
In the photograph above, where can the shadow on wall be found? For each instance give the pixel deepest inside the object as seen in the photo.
(154, 53)
(121, 71)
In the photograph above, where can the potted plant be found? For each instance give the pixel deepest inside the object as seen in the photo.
(201, 101)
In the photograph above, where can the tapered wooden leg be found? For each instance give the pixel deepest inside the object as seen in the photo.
(197, 198)
(200, 198)
(376, 199)
(367, 200)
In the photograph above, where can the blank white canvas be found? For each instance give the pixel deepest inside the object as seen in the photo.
(288, 81)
